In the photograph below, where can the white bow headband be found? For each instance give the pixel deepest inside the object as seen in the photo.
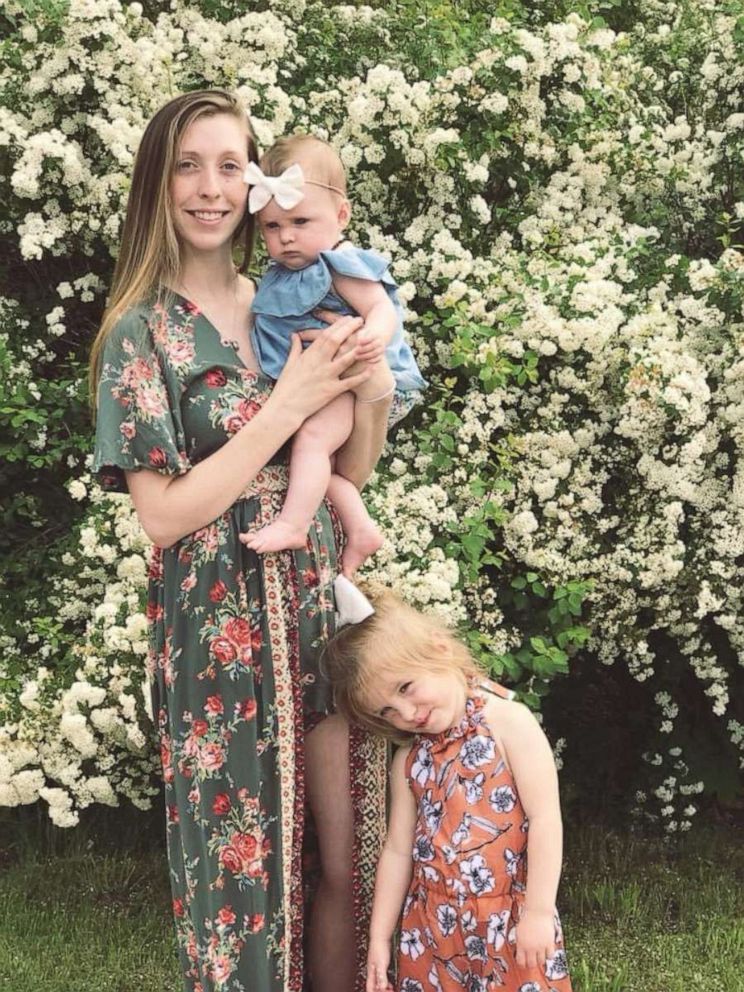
(286, 189)
(352, 606)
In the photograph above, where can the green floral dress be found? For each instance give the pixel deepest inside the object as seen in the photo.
(234, 651)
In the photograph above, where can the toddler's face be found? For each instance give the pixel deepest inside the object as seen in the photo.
(296, 237)
(419, 702)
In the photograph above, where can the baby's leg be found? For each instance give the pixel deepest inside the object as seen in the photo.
(363, 537)
(309, 475)
(380, 384)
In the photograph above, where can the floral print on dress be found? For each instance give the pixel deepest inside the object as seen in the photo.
(458, 929)
(234, 654)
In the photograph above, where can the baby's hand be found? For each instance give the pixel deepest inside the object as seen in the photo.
(535, 938)
(371, 346)
(378, 961)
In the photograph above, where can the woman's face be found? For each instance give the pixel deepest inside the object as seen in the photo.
(208, 195)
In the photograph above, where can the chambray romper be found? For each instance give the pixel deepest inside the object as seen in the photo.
(287, 298)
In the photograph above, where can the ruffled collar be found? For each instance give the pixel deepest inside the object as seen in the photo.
(472, 722)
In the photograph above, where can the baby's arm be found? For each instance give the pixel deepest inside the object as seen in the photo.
(371, 302)
(530, 758)
(393, 875)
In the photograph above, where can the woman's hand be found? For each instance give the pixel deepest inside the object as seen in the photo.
(535, 938)
(378, 962)
(312, 378)
(331, 317)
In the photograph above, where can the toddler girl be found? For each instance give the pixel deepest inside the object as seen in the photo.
(299, 196)
(473, 788)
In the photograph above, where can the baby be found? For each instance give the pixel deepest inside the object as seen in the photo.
(299, 196)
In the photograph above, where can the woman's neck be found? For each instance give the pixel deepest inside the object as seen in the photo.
(208, 274)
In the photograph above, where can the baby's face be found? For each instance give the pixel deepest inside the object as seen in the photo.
(296, 237)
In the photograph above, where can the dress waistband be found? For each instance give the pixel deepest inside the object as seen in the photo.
(512, 888)
(271, 479)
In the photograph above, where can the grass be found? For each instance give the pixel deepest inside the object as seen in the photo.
(89, 910)
(90, 913)
(643, 916)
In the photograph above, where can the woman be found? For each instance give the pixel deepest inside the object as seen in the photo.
(189, 425)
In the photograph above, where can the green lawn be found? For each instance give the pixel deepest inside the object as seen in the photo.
(91, 913)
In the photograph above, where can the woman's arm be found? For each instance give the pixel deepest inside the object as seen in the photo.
(170, 507)
(393, 875)
(530, 758)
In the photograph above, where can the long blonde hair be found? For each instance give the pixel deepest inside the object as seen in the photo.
(395, 639)
(150, 256)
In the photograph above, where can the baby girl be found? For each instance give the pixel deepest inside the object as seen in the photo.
(299, 196)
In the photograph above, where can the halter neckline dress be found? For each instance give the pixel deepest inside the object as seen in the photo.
(470, 867)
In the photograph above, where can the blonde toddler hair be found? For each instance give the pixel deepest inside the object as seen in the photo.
(395, 639)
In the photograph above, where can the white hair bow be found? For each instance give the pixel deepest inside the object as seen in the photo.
(286, 189)
(352, 606)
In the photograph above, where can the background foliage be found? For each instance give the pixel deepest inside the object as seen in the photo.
(559, 188)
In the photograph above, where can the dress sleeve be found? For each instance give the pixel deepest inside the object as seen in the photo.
(359, 263)
(138, 423)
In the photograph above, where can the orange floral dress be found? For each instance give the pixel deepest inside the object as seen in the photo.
(470, 868)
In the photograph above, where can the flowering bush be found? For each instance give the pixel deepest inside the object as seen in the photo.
(562, 202)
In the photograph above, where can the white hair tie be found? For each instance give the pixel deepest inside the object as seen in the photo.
(352, 606)
(286, 189)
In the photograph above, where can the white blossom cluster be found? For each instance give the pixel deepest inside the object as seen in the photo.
(553, 215)
(74, 732)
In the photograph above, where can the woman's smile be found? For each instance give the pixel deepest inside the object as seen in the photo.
(210, 217)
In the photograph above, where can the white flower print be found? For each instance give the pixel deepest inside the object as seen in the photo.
(474, 788)
(468, 921)
(410, 943)
(422, 769)
(431, 874)
(462, 831)
(497, 927)
(447, 919)
(512, 861)
(556, 966)
(474, 983)
(475, 751)
(411, 985)
(503, 799)
(449, 853)
(434, 979)
(476, 948)
(478, 874)
(422, 849)
(529, 987)
(431, 812)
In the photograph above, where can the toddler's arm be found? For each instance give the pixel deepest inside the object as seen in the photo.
(393, 875)
(371, 302)
(531, 760)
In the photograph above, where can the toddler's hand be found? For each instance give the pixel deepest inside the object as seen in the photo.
(370, 347)
(535, 938)
(378, 961)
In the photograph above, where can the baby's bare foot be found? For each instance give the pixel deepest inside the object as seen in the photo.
(359, 546)
(277, 536)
